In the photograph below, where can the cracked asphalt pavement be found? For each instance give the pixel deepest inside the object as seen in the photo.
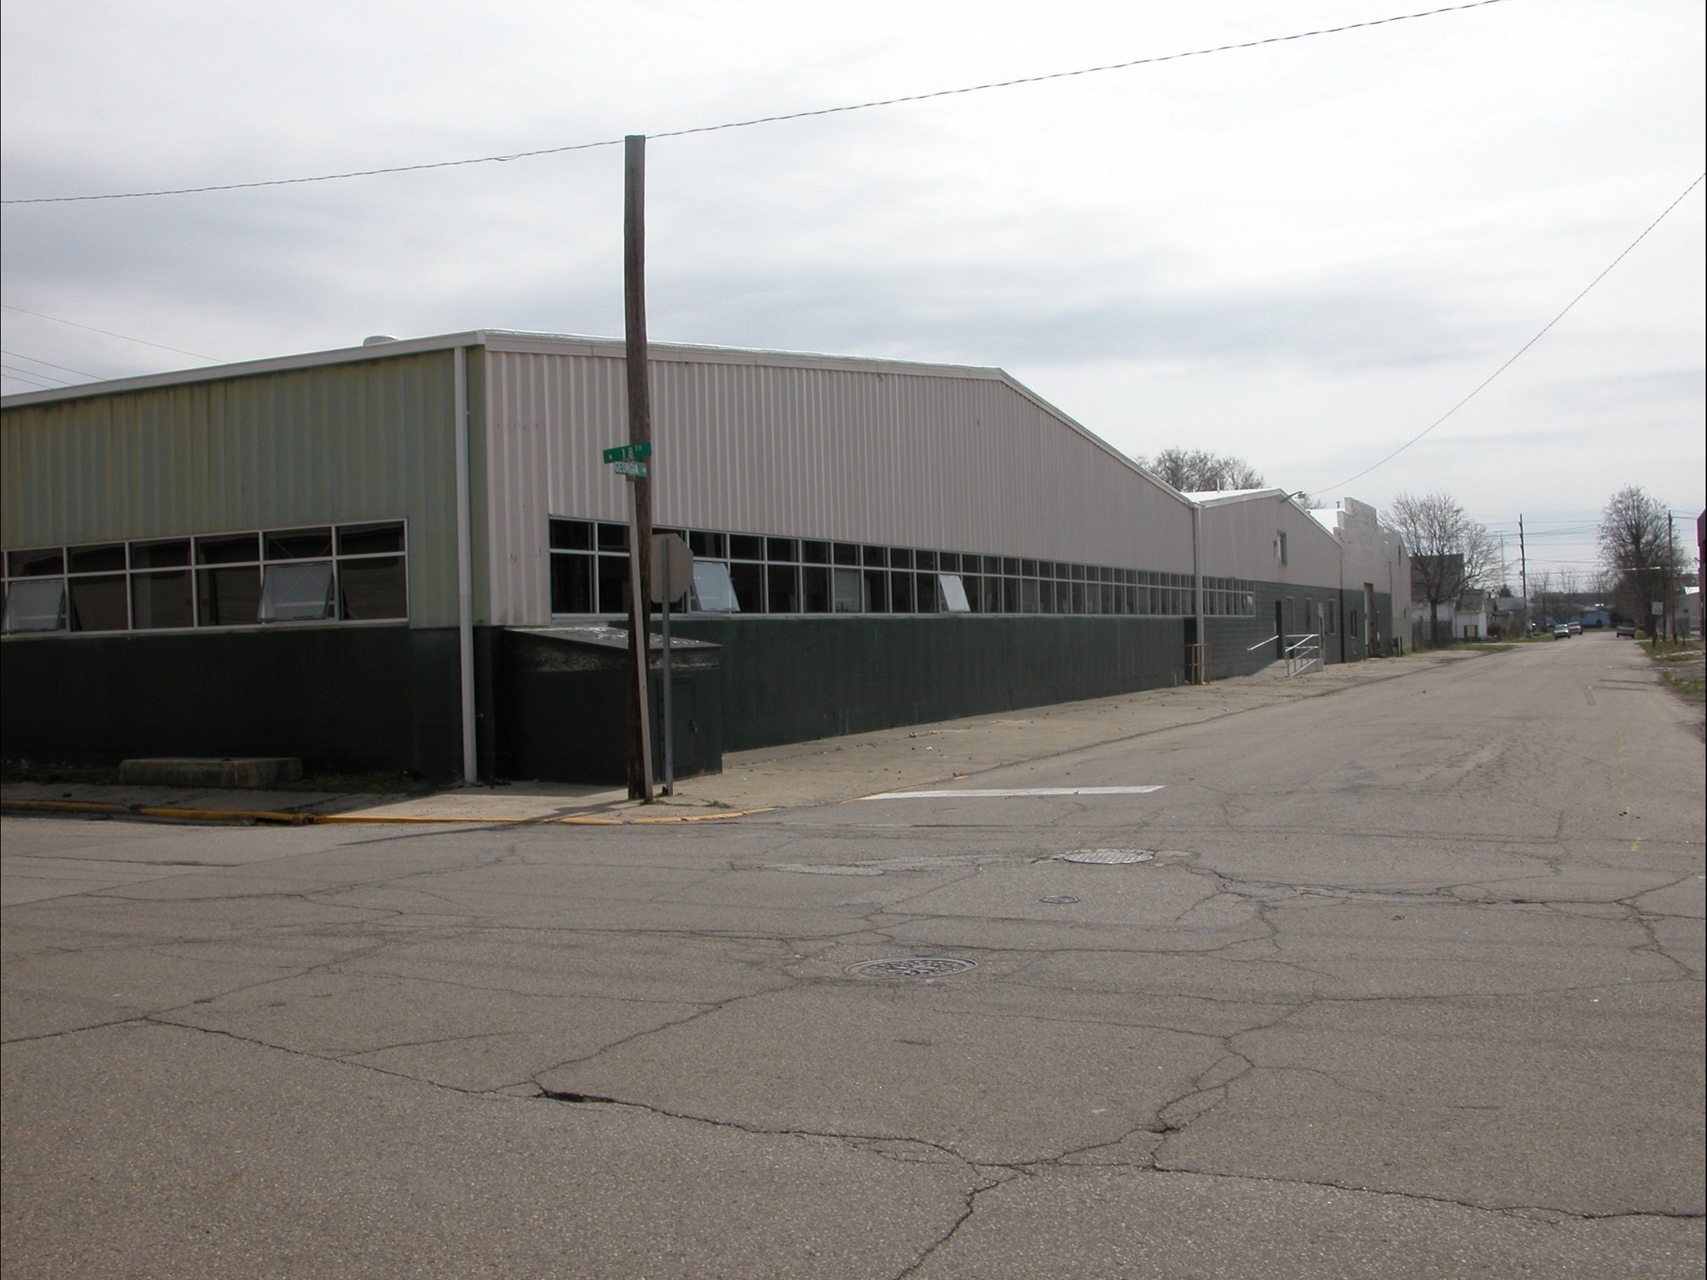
(1409, 985)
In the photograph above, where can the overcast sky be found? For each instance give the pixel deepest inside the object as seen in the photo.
(1302, 253)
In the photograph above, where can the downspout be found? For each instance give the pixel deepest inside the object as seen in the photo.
(1344, 531)
(465, 573)
(1197, 584)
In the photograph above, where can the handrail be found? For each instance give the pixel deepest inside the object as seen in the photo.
(1260, 643)
(1304, 655)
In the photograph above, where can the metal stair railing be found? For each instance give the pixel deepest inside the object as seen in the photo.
(1303, 655)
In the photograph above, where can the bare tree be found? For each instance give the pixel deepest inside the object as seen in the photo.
(1639, 549)
(1450, 553)
(1198, 470)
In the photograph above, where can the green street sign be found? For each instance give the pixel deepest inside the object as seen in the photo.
(629, 452)
(633, 470)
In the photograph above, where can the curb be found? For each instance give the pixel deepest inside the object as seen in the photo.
(331, 819)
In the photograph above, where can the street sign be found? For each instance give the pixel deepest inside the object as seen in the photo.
(633, 470)
(671, 560)
(628, 453)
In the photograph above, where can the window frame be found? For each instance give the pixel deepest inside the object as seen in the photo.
(193, 565)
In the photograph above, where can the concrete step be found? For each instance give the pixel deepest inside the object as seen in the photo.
(245, 772)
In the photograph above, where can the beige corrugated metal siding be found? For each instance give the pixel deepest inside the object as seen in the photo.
(1239, 536)
(367, 440)
(959, 460)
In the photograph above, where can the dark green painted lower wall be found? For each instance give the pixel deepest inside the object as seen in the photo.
(562, 711)
(344, 699)
(380, 699)
(791, 679)
(1238, 645)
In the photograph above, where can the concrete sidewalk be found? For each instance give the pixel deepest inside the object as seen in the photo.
(805, 773)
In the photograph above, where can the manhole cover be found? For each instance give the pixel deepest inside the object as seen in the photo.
(911, 967)
(1108, 857)
(1058, 899)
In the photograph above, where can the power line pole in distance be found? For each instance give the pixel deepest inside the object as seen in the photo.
(1523, 571)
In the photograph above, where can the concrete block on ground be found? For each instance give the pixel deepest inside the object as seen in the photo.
(248, 772)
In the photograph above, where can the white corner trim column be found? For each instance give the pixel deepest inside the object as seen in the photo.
(1197, 568)
(465, 573)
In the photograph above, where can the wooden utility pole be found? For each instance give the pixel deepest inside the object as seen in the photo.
(1671, 559)
(1523, 571)
(639, 432)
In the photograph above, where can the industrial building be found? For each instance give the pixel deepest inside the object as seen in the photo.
(408, 555)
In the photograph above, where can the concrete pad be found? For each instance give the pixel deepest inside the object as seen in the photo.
(1400, 948)
(462, 1036)
(248, 773)
(1483, 1087)
(891, 1060)
(1133, 1224)
(290, 1166)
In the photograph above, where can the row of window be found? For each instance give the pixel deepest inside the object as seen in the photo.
(358, 573)
(749, 573)
(353, 573)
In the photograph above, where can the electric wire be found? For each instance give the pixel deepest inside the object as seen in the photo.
(1511, 360)
(758, 120)
(19, 355)
(31, 378)
(41, 315)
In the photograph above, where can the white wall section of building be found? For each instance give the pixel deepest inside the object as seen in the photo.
(934, 457)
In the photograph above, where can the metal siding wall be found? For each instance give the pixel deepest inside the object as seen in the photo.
(361, 441)
(950, 461)
(1238, 542)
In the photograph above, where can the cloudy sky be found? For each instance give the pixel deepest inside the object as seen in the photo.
(1303, 253)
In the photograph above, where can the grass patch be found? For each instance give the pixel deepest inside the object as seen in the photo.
(1683, 667)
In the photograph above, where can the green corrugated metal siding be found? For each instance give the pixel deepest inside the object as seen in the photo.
(368, 440)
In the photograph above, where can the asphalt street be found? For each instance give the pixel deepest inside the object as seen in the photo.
(1401, 981)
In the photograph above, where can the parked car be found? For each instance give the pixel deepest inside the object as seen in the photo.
(1576, 628)
(1627, 630)
(1561, 631)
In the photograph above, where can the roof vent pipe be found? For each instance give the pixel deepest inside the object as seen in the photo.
(377, 339)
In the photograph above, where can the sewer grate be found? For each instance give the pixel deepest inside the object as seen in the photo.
(1108, 857)
(1058, 899)
(911, 967)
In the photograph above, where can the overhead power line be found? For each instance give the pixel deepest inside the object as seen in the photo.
(31, 378)
(1477, 390)
(108, 332)
(19, 355)
(758, 120)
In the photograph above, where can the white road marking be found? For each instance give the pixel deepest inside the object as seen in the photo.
(1014, 792)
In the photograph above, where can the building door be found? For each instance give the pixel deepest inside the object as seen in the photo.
(1370, 630)
(1279, 630)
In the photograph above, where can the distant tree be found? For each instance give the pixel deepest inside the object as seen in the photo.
(1640, 552)
(1450, 552)
(1198, 470)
